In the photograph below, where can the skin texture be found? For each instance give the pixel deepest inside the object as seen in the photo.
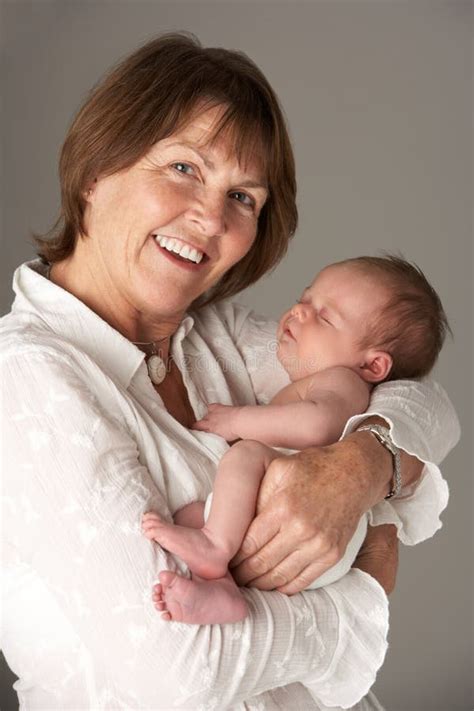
(293, 534)
(344, 480)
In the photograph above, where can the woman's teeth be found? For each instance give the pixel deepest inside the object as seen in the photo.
(183, 250)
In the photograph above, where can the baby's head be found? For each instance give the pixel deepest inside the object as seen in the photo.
(376, 315)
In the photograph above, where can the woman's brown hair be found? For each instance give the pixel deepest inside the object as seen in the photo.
(150, 95)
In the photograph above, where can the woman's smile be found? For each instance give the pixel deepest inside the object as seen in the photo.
(180, 249)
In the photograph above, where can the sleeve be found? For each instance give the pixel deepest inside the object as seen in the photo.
(74, 492)
(424, 423)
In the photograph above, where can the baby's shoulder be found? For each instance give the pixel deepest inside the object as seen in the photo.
(338, 381)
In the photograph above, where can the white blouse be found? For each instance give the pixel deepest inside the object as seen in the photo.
(89, 446)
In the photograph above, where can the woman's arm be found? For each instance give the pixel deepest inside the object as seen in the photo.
(311, 502)
(74, 493)
(378, 555)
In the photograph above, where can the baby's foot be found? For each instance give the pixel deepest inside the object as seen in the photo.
(198, 601)
(193, 545)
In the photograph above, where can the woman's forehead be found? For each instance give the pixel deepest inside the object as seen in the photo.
(210, 130)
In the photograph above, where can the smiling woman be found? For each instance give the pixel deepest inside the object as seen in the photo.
(178, 189)
(188, 195)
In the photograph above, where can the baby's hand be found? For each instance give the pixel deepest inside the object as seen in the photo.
(221, 420)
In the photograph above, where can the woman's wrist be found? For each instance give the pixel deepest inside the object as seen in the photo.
(379, 456)
(375, 462)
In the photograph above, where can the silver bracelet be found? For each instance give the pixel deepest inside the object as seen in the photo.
(383, 435)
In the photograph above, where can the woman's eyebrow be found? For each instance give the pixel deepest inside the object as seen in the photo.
(253, 184)
(182, 144)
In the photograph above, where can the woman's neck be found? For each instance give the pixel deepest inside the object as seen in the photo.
(101, 297)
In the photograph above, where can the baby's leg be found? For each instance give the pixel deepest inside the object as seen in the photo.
(191, 515)
(208, 551)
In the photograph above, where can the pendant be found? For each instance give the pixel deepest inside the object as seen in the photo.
(156, 369)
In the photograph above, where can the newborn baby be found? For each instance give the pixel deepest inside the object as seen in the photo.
(360, 322)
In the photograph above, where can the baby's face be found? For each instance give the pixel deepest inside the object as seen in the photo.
(324, 328)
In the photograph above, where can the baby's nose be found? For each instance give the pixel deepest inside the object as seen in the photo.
(301, 311)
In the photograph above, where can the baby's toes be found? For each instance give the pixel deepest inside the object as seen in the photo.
(150, 532)
(157, 593)
(158, 601)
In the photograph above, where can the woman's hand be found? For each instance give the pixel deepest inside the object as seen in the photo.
(379, 555)
(308, 508)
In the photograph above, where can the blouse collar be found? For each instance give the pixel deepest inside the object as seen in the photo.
(68, 317)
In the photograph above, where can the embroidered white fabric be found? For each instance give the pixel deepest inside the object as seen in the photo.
(89, 446)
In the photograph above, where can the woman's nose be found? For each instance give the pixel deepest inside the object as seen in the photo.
(208, 212)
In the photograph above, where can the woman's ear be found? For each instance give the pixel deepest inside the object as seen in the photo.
(89, 191)
(376, 366)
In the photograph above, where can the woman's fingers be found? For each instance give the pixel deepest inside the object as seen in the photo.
(306, 576)
(282, 574)
(287, 567)
(278, 549)
(266, 525)
(260, 563)
(261, 531)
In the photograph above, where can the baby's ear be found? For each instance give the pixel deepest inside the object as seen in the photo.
(376, 366)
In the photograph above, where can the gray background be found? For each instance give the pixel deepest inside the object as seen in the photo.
(378, 98)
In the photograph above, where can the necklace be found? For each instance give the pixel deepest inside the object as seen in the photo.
(154, 362)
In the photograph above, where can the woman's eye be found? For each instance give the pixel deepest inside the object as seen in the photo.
(243, 198)
(183, 168)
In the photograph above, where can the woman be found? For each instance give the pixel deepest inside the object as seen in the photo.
(178, 190)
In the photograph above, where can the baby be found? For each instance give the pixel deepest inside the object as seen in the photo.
(360, 322)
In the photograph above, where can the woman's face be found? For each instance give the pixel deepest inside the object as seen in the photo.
(165, 230)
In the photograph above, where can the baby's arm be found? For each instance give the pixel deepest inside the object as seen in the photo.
(308, 412)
